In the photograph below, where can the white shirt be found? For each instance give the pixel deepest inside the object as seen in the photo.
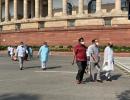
(8, 48)
(11, 50)
(88, 51)
(93, 50)
(21, 51)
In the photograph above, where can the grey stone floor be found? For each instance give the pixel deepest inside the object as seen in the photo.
(57, 82)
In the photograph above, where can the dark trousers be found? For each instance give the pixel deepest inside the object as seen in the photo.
(81, 69)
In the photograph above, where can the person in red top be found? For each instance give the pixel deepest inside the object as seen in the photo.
(81, 59)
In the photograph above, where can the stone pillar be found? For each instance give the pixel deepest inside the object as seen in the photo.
(25, 9)
(118, 5)
(50, 7)
(117, 9)
(32, 9)
(65, 7)
(15, 9)
(6, 10)
(98, 5)
(36, 8)
(0, 10)
(81, 7)
(41, 8)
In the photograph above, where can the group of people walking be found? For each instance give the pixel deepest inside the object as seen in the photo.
(24, 52)
(21, 52)
(89, 58)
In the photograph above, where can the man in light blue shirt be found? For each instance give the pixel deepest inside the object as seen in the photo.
(43, 54)
(21, 54)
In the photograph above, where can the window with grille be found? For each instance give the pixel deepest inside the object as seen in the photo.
(71, 23)
(107, 21)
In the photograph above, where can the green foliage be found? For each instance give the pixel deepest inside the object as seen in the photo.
(61, 46)
(3, 47)
(69, 48)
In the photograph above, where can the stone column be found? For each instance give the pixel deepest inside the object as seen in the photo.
(81, 6)
(32, 9)
(15, 9)
(25, 9)
(65, 7)
(6, 10)
(0, 10)
(118, 5)
(36, 8)
(41, 4)
(50, 7)
(98, 5)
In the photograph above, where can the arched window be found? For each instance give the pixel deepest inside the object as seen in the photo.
(92, 6)
(69, 8)
(124, 5)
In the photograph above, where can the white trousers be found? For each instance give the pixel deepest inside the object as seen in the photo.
(21, 59)
(43, 65)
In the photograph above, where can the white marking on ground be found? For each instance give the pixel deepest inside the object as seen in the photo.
(67, 72)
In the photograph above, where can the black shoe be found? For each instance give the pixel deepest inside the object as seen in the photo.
(109, 79)
(21, 68)
(100, 81)
(43, 68)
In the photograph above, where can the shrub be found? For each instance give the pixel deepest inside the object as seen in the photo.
(61, 46)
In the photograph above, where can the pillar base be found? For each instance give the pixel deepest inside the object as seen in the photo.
(116, 12)
(80, 14)
(99, 13)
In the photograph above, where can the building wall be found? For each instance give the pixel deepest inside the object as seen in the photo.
(118, 35)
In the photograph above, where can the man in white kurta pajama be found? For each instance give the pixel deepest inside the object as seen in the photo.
(43, 54)
(108, 61)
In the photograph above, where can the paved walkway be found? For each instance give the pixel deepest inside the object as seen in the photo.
(123, 62)
(57, 82)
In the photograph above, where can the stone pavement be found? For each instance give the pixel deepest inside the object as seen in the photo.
(123, 62)
(57, 82)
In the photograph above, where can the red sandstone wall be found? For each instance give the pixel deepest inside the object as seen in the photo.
(119, 36)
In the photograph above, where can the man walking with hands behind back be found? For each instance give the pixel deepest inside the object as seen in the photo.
(43, 54)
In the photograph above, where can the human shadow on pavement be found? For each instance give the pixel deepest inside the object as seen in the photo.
(124, 95)
(113, 77)
(13, 96)
(54, 67)
(32, 67)
(116, 76)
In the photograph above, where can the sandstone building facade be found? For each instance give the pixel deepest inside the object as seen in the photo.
(35, 21)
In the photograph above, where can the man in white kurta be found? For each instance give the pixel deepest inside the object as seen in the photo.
(43, 54)
(108, 61)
